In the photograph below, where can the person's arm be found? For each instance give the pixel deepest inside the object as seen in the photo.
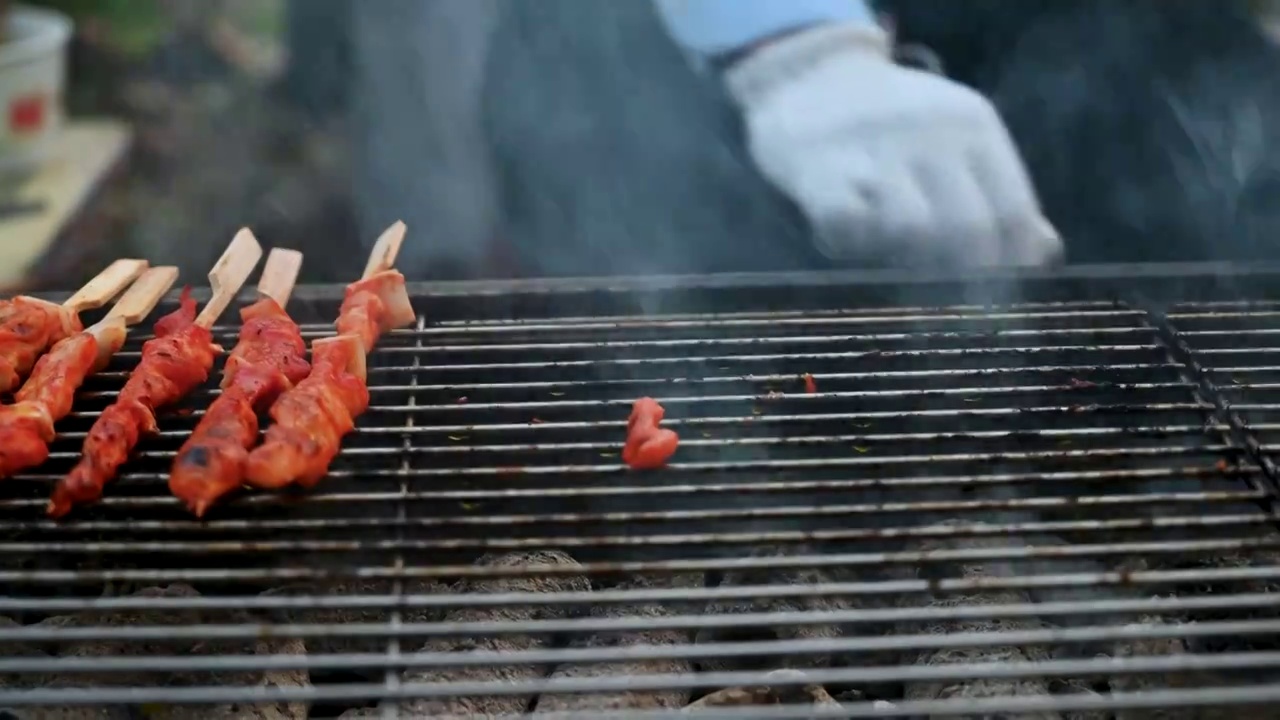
(719, 30)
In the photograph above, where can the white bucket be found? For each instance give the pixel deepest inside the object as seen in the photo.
(33, 68)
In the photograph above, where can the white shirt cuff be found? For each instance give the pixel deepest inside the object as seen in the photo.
(710, 27)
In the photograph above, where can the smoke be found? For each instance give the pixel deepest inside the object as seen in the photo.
(1150, 128)
(419, 153)
(615, 157)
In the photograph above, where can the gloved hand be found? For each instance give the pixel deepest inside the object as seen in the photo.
(888, 161)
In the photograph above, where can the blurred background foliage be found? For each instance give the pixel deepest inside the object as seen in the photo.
(221, 139)
(134, 27)
(138, 27)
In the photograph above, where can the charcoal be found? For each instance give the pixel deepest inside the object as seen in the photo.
(120, 649)
(811, 694)
(18, 681)
(1129, 683)
(271, 678)
(1216, 643)
(88, 712)
(495, 706)
(630, 700)
(1172, 646)
(1076, 686)
(339, 616)
(1244, 558)
(124, 648)
(809, 604)
(974, 687)
(129, 618)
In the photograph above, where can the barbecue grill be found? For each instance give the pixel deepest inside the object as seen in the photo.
(1043, 497)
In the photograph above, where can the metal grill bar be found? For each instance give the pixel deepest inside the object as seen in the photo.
(671, 622)
(643, 652)
(1190, 699)
(1042, 505)
(1168, 578)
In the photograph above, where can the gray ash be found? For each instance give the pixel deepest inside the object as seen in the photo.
(134, 618)
(1154, 647)
(72, 713)
(246, 711)
(811, 604)
(500, 705)
(12, 649)
(630, 700)
(115, 649)
(973, 687)
(792, 694)
(339, 616)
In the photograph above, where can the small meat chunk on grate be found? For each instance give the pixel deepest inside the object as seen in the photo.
(637, 699)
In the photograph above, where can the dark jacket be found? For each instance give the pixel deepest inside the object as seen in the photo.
(1150, 128)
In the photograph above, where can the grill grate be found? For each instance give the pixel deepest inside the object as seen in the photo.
(1031, 508)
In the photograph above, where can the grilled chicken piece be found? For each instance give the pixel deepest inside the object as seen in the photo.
(28, 327)
(373, 306)
(173, 363)
(269, 359)
(26, 427)
(269, 339)
(311, 419)
(648, 447)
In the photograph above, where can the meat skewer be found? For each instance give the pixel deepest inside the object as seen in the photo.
(310, 420)
(269, 358)
(27, 426)
(30, 326)
(173, 364)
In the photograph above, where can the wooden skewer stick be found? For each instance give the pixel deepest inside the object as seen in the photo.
(143, 296)
(108, 337)
(229, 275)
(132, 308)
(106, 285)
(98, 291)
(280, 274)
(381, 259)
(385, 250)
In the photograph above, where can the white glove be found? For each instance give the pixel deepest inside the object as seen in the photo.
(887, 161)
